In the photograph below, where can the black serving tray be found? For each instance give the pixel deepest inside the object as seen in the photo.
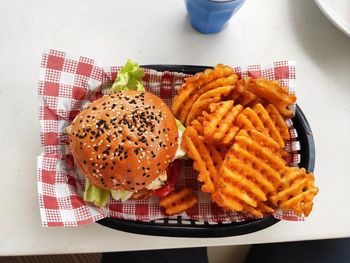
(178, 227)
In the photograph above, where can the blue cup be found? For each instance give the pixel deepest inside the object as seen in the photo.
(211, 16)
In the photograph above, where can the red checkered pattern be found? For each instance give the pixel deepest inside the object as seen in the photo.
(67, 84)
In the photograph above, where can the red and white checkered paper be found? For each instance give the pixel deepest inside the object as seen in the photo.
(66, 85)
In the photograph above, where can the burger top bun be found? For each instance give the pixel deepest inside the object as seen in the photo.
(124, 140)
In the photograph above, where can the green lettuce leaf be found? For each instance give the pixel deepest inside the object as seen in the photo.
(95, 195)
(129, 77)
(180, 126)
(121, 195)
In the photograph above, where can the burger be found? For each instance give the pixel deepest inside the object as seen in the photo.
(125, 143)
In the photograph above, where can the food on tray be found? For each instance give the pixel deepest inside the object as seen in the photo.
(124, 142)
(204, 100)
(236, 136)
(218, 124)
(177, 202)
(200, 154)
(199, 84)
(273, 93)
(249, 92)
(278, 121)
(250, 172)
(296, 191)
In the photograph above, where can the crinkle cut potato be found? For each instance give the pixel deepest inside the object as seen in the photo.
(236, 134)
(177, 202)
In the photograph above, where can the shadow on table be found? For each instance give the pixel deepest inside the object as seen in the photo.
(320, 251)
(326, 45)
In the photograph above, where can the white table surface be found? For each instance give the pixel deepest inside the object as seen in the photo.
(158, 32)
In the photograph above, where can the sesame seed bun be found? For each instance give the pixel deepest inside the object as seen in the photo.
(124, 140)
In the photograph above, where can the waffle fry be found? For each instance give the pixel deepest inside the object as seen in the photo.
(199, 107)
(261, 210)
(270, 125)
(240, 94)
(279, 122)
(177, 202)
(217, 154)
(224, 81)
(200, 154)
(271, 91)
(212, 121)
(248, 119)
(204, 100)
(249, 173)
(198, 126)
(218, 124)
(236, 135)
(297, 191)
(198, 84)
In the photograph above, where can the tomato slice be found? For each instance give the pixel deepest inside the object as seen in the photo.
(173, 173)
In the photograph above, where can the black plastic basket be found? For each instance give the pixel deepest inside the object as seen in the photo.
(178, 227)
